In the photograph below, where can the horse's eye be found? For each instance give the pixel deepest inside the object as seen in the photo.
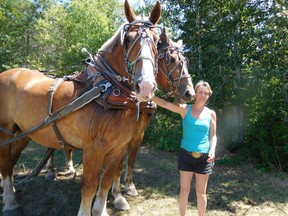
(128, 39)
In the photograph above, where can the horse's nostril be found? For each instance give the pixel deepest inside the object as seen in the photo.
(188, 94)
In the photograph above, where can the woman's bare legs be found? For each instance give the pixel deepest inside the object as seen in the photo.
(201, 185)
(185, 186)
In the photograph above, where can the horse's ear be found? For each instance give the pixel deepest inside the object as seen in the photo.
(130, 15)
(164, 38)
(155, 13)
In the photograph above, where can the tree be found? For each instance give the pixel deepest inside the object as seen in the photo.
(17, 19)
(65, 30)
(239, 48)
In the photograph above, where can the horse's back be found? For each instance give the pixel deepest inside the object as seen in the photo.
(21, 85)
(21, 77)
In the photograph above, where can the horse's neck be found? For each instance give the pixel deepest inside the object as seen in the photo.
(116, 60)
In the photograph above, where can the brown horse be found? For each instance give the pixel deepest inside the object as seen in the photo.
(102, 134)
(174, 79)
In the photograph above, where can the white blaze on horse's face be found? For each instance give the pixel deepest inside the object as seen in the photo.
(147, 84)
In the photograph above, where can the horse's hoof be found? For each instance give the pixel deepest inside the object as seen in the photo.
(51, 177)
(14, 212)
(67, 174)
(121, 204)
(95, 213)
(131, 190)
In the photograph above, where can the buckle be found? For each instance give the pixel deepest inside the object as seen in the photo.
(196, 154)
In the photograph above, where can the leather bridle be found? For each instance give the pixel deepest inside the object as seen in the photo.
(166, 53)
(144, 37)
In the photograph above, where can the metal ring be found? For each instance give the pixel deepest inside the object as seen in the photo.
(116, 92)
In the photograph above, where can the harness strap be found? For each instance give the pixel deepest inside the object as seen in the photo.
(43, 162)
(51, 91)
(6, 131)
(112, 75)
(73, 106)
(58, 135)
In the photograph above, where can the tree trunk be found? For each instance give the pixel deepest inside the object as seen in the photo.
(238, 137)
(199, 47)
(284, 85)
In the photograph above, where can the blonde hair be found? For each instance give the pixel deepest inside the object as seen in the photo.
(205, 85)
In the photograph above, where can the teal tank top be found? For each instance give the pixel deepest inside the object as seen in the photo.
(196, 133)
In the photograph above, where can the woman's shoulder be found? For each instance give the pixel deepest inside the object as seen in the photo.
(184, 107)
(211, 112)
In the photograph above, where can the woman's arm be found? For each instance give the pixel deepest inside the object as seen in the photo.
(213, 137)
(177, 108)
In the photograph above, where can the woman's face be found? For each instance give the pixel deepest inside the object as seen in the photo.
(202, 94)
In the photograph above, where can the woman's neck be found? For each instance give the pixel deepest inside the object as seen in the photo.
(197, 111)
(198, 107)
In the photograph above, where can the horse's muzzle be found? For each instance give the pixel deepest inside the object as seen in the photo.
(145, 89)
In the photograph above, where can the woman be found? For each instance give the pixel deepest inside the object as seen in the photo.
(197, 150)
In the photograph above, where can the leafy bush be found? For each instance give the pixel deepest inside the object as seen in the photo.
(267, 128)
(164, 131)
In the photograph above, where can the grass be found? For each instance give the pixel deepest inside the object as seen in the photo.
(234, 188)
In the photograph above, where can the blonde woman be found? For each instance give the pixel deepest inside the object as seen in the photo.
(197, 150)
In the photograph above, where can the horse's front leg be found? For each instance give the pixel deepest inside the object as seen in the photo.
(133, 148)
(110, 167)
(92, 163)
(120, 202)
(69, 167)
(70, 170)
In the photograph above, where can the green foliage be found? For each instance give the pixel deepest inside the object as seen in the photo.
(235, 160)
(49, 35)
(267, 127)
(16, 19)
(164, 131)
(239, 47)
(65, 30)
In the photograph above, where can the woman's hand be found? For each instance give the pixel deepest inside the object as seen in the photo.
(211, 157)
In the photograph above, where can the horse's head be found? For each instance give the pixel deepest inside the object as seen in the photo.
(140, 41)
(173, 74)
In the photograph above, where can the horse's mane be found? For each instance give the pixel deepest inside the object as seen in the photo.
(110, 43)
